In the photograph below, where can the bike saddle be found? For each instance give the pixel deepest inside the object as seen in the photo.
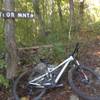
(45, 61)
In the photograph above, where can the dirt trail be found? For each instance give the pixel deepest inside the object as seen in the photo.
(90, 55)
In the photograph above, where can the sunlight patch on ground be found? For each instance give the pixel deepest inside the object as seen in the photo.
(98, 37)
(97, 53)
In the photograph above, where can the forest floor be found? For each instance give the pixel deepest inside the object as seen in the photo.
(90, 56)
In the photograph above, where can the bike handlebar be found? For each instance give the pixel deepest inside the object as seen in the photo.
(76, 49)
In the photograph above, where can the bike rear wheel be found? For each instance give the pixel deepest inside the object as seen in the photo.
(88, 90)
(22, 89)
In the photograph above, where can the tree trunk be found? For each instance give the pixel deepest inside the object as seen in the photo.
(81, 12)
(38, 15)
(10, 42)
(60, 12)
(52, 18)
(71, 4)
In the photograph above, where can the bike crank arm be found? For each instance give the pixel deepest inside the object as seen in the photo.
(54, 86)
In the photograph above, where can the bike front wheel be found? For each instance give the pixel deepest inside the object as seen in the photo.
(21, 88)
(87, 89)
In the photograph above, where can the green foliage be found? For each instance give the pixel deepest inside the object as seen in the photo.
(59, 52)
(2, 42)
(28, 31)
(96, 28)
(2, 64)
(3, 81)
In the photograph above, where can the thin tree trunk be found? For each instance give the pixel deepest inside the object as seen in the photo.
(81, 12)
(71, 4)
(38, 15)
(81, 8)
(52, 15)
(60, 12)
(10, 42)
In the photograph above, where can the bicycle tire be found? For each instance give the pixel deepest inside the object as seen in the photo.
(15, 92)
(76, 88)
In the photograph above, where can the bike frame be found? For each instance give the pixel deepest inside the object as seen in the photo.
(65, 63)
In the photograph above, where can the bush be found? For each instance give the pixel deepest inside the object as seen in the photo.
(3, 81)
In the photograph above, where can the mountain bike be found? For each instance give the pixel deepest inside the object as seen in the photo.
(83, 80)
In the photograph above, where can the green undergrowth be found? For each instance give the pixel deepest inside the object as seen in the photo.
(62, 46)
(3, 81)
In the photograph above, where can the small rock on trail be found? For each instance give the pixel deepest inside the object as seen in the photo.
(74, 97)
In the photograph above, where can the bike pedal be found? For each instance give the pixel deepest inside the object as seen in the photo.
(99, 78)
(59, 85)
(54, 86)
